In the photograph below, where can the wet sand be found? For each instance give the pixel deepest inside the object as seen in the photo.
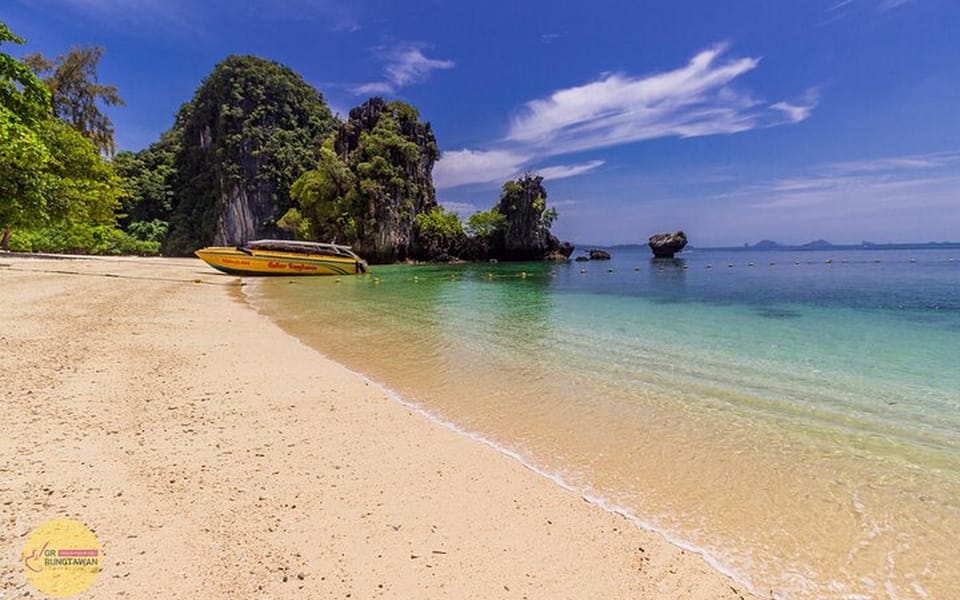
(216, 456)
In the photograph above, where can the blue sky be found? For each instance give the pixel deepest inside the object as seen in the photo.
(735, 121)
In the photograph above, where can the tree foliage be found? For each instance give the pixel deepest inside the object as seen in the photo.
(441, 232)
(486, 223)
(149, 182)
(22, 95)
(81, 196)
(324, 196)
(76, 93)
(57, 193)
(24, 106)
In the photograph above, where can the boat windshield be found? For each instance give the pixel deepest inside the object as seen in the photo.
(301, 247)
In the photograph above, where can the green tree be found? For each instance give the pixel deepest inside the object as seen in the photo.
(21, 93)
(323, 195)
(77, 92)
(149, 181)
(485, 224)
(24, 105)
(441, 232)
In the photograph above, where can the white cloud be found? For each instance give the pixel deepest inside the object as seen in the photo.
(461, 208)
(697, 99)
(405, 65)
(839, 5)
(562, 171)
(893, 163)
(796, 112)
(373, 88)
(886, 5)
(690, 101)
(462, 167)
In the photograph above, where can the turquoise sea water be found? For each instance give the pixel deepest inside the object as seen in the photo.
(795, 416)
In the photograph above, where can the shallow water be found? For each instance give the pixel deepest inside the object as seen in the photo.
(797, 420)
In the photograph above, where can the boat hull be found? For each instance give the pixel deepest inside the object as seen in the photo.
(259, 262)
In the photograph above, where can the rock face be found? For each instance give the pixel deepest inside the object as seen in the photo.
(250, 130)
(598, 254)
(665, 245)
(526, 231)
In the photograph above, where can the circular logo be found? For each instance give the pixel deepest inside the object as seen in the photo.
(62, 558)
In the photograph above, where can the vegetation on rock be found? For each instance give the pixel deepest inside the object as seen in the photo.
(524, 231)
(252, 128)
(372, 180)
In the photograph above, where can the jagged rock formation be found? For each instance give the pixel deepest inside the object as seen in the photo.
(665, 245)
(250, 130)
(525, 234)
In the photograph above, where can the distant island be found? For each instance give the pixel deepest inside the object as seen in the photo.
(825, 245)
(767, 245)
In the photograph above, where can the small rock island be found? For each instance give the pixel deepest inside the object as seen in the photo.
(665, 245)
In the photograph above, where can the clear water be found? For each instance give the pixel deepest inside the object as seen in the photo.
(794, 416)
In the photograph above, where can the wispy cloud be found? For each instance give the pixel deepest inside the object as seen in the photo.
(897, 163)
(162, 14)
(194, 18)
(405, 65)
(886, 5)
(863, 188)
(463, 167)
(563, 171)
(843, 8)
(697, 99)
(800, 110)
(839, 5)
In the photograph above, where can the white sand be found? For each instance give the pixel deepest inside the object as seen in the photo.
(215, 456)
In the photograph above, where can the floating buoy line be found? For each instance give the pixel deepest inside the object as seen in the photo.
(489, 275)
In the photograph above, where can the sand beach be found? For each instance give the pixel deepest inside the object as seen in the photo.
(216, 456)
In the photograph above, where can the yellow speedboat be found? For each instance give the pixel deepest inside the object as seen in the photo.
(283, 257)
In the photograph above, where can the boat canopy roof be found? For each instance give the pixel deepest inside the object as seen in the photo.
(301, 247)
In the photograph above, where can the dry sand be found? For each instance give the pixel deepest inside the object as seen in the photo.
(215, 456)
